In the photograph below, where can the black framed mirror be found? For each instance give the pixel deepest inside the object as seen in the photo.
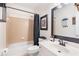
(52, 21)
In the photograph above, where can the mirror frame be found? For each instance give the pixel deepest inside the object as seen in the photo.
(52, 21)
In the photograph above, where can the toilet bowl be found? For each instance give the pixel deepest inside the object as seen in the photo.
(33, 50)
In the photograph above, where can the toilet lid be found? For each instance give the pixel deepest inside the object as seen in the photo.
(33, 48)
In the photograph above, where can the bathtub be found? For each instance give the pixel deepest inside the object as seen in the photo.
(18, 49)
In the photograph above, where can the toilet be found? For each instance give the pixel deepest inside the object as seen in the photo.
(33, 50)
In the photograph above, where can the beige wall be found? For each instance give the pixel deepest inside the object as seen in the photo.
(19, 30)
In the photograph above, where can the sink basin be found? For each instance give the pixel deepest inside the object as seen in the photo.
(55, 48)
(59, 50)
(66, 50)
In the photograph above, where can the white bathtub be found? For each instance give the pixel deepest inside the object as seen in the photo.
(18, 49)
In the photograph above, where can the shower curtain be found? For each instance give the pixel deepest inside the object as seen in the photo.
(36, 29)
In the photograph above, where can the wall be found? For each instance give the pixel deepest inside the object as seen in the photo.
(2, 32)
(19, 30)
(16, 13)
(2, 35)
(21, 20)
(67, 11)
(42, 12)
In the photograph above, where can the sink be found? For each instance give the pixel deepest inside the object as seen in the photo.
(59, 50)
(66, 50)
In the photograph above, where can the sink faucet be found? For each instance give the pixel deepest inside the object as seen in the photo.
(61, 42)
(53, 39)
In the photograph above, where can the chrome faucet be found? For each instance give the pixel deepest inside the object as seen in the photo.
(53, 39)
(61, 42)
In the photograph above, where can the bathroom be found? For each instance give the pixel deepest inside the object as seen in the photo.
(39, 29)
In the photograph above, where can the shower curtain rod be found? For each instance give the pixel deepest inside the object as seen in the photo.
(20, 10)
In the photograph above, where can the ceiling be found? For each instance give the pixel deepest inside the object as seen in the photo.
(35, 5)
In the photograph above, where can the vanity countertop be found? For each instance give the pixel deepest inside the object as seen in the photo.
(59, 50)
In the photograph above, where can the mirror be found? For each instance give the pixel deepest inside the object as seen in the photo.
(65, 20)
